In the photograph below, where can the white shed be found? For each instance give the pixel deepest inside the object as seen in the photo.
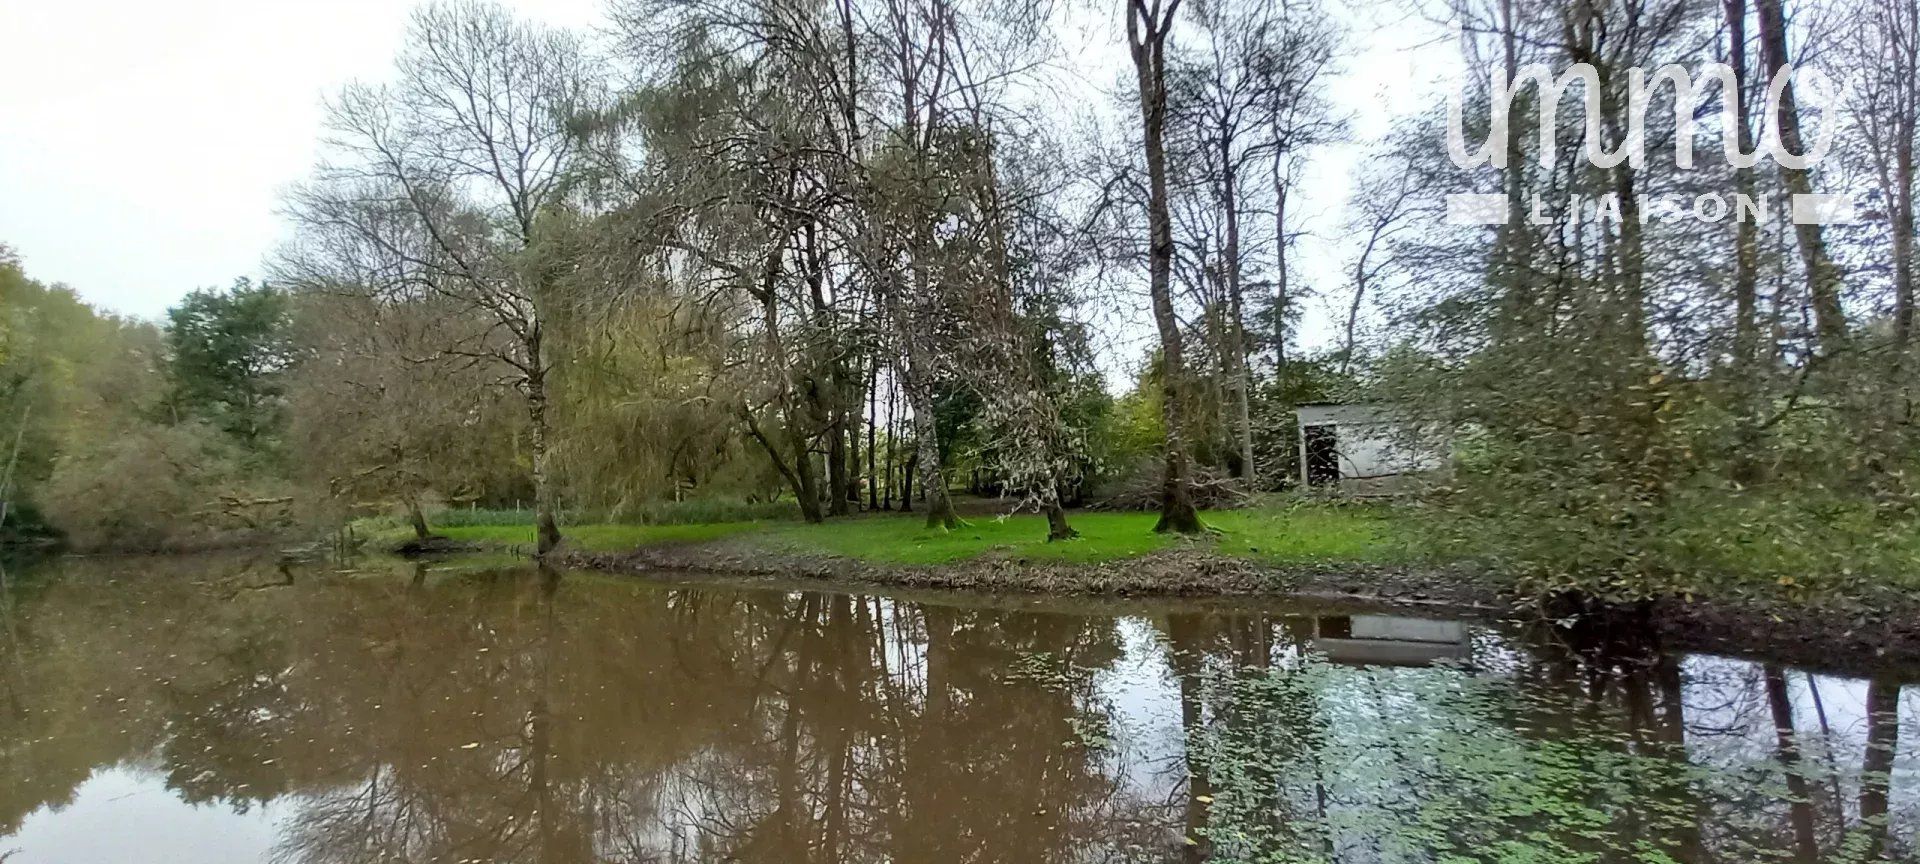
(1355, 447)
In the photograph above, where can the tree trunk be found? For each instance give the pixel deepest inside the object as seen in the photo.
(417, 519)
(827, 402)
(906, 481)
(1057, 527)
(1280, 297)
(1800, 809)
(1287, 466)
(1237, 327)
(799, 474)
(1036, 411)
(915, 372)
(838, 457)
(893, 438)
(806, 479)
(836, 492)
(1147, 31)
(1353, 316)
(1746, 257)
(798, 477)
(1511, 271)
(546, 529)
(837, 482)
(873, 425)
(926, 440)
(852, 417)
(1823, 276)
(1901, 218)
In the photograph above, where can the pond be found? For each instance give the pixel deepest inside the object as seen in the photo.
(224, 710)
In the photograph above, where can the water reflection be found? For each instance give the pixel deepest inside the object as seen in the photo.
(496, 715)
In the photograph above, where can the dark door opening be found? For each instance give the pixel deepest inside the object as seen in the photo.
(1322, 455)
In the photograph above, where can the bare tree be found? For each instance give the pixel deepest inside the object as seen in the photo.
(1884, 43)
(1149, 25)
(1823, 275)
(1746, 231)
(378, 416)
(456, 175)
(1249, 99)
(1215, 102)
(1293, 72)
(1384, 206)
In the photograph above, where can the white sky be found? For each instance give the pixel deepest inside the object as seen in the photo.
(144, 145)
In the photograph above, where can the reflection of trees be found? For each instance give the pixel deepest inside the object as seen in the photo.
(888, 732)
(1800, 803)
(1876, 770)
(87, 661)
(500, 717)
(1186, 652)
(1256, 779)
(11, 681)
(1546, 753)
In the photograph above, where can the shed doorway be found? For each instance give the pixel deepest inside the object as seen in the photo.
(1321, 451)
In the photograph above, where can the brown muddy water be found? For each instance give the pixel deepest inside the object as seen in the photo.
(212, 710)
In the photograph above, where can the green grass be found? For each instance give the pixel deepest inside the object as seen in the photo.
(904, 539)
(599, 538)
(1284, 532)
(1301, 533)
(1289, 533)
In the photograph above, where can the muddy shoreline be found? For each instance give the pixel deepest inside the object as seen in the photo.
(1880, 636)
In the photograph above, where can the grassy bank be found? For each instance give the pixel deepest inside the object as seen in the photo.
(1743, 596)
(601, 537)
(1290, 532)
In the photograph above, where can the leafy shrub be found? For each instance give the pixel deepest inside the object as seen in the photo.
(25, 524)
(171, 487)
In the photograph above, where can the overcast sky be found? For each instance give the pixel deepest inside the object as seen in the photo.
(144, 145)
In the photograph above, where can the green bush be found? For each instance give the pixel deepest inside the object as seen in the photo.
(169, 488)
